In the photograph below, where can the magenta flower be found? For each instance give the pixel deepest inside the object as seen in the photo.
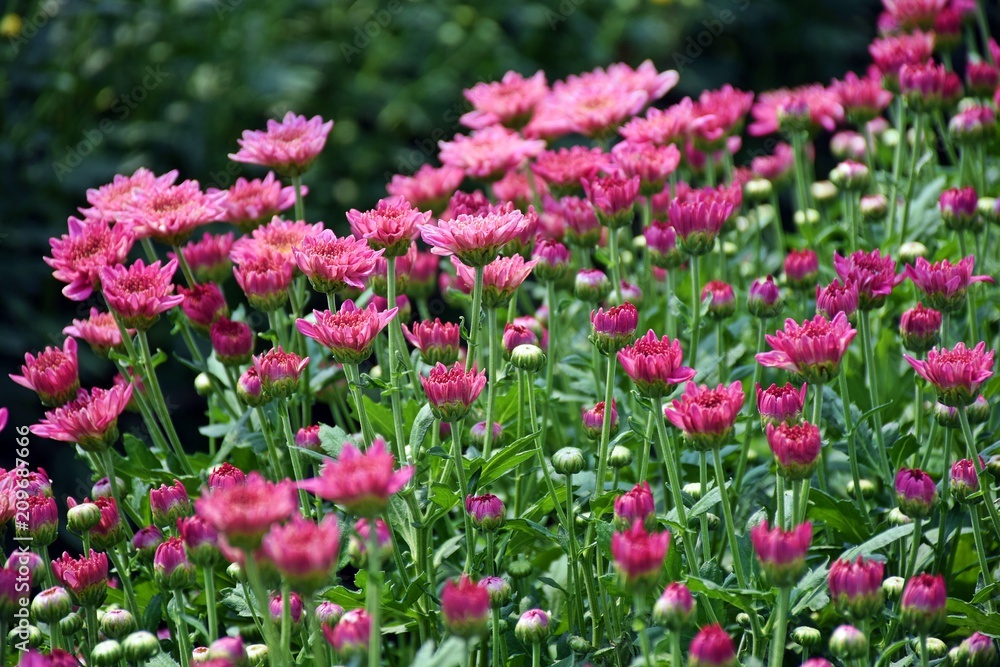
(517, 334)
(79, 257)
(661, 126)
(654, 365)
(764, 298)
(465, 607)
(811, 107)
(920, 328)
(863, 99)
(475, 239)
(203, 304)
(108, 201)
(349, 332)
(698, 221)
(171, 213)
(977, 649)
(925, 85)
(208, 258)
(41, 519)
(635, 506)
(334, 264)
(3, 424)
(706, 415)
(856, 586)
(437, 341)
(54, 374)
(90, 420)
(489, 153)
(639, 555)
(250, 203)
(508, 102)
(100, 331)
(429, 188)
(351, 634)
(943, 283)
(956, 374)
(288, 147)
(837, 297)
(390, 226)
(304, 552)
(171, 568)
(225, 476)
(452, 391)
(781, 553)
(564, 169)
(358, 544)
(501, 278)
(651, 163)
(279, 372)
(362, 483)
(812, 350)
(137, 294)
(776, 167)
(721, 299)
(613, 197)
(780, 404)
(232, 341)
(873, 274)
(891, 53)
(200, 540)
(916, 492)
(280, 236)
(959, 209)
(963, 478)
(264, 277)
(661, 244)
(487, 511)
(675, 608)
(615, 328)
(243, 513)
(796, 448)
(593, 419)
(167, 504)
(923, 605)
(86, 577)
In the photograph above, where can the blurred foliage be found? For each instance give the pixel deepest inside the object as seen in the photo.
(91, 89)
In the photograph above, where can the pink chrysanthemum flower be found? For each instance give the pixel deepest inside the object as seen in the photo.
(661, 126)
(650, 162)
(614, 329)
(927, 86)
(776, 167)
(636, 505)
(303, 551)
(167, 504)
(516, 188)
(501, 278)
(391, 225)
(891, 53)
(808, 108)
(90, 420)
(924, 603)
(509, 101)
(108, 201)
(613, 197)
(916, 493)
(85, 577)
(54, 374)
(943, 283)
(438, 342)
(139, 293)
(100, 331)
(352, 633)
(956, 374)
(920, 328)
(720, 114)
(856, 586)
(564, 169)
(654, 365)
(490, 152)
(429, 188)
(873, 274)
(764, 298)
(639, 555)
(914, 14)
(812, 350)
(959, 209)
(475, 239)
(171, 214)
(801, 268)
(243, 513)
(582, 228)
(863, 99)
(781, 553)
(487, 512)
(698, 221)
(281, 236)
(203, 304)
(644, 77)
(361, 482)
(265, 277)
(706, 415)
(837, 297)
(796, 448)
(225, 476)
(279, 371)
(288, 147)
(250, 203)
(452, 391)
(465, 607)
(333, 263)
(712, 647)
(595, 106)
(79, 256)
(778, 405)
(348, 333)
(208, 258)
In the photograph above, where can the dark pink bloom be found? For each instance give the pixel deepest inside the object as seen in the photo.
(712, 647)
(593, 419)
(635, 506)
(243, 513)
(145, 542)
(780, 404)
(41, 519)
(721, 300)
(391, 225)
(698, 221)
(553, 259)
(86, 577)
(90, 420)
(488, 153)
(203, 304)
(916, 492)
(334, 263)
(963, 478)
(288, 147)
(54, 374)
(812, 350)
(613, 197)
(565, 169)
(208, 258)
(578, 218)
(923, 85)
(615, 328)
(361, 482)
(796, 447)
(225, 476)
(171, 213)
(139, 293)
(959, 208)
(348, 333)
(475, 239)
(232, 341)
(706, 415)
(100, 331)
(862, 98)
(362, 535)
(764, 298)
(437, 341)
(891, 53)
(171, 568)
(3, 425)
(516, 334)
(501, 278)
(250, 203)
(923, 605)
(982, 78)
(837, 297)
(920, 328)
(856, 586)
(452, 391)
(108, 201)
(169, 503)
(639, 555)
(675, 607)
(914, 14)
(651, 163)
(277, 606)
(654, 365)
(977, 649)
(429, 188)
(661, 243)
(781, 553)
(303, 551)
(943, 283)
(351, 634)
(465, 607)
(279, 371)
(79, 257)
(307, 437)
(486, 511)
(776, 167)
(873, 274)
(201, 540)
(508, 102)
(956, 374)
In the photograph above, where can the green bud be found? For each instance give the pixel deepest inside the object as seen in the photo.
(578, 644)
(758, 189)
(848, 643)
(235, 572)
(257, 655)
(519, 568)
(202, 384)
(810, 217)
(71, 624)
(569, 461)
(140, 646)
(118, 623)
(893, 587)
(52, 605)
(824, 192)
(107, 654)
(620, 457)
(83, 517)
(21, 634)
(529, 358)
(807, 637)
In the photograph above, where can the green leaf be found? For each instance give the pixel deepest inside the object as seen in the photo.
(332, 439)
(161, 660)
(880, 541)
(138, 452)
(422, 424)
(841, 515)
(401, 521)
(507, 459)
(710, 500)
(450, 654)
(965, 615)
(152, 617)
(903, 449)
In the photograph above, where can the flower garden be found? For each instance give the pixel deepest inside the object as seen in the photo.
(600, 388)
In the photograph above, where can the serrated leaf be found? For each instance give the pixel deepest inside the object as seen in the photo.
(880, 541)
(421, 424)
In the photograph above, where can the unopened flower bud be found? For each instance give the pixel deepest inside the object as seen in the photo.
(758, 189)
(675, 608)
(977, 650)
(743, 620)
(52, 605)
(83, 517)
(893, 587)
(569, 461)
(578, 644)
(235, 572)
(71, 624)
(202, 384)
(807, 217)
(909, 251)
(477, 434)
(520, 568)
(499, 590)
(257, 655)
(328, 613)
(935, 647)
(591, 285)
(848, 643)
(528, 358)
(867, 488)
(895, 517)
(532, 627)
(117, 623)
(807, 637)
(21, 634)
(106, 654)
(487, 512)
(620, 457)
(250, 390)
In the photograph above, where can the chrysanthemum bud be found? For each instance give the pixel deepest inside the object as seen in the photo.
(171, 567)
(935, 647)
(758, 189)
(614, 329)
(807, 637)
(250, 390)
(848, 643)
(867, 487)
(722, 301)
(781, 553)
(117, 623)
(52, 605)
(712, 647)
(498, 589)
(528, 358)
(578, 644)
(520, 568)
(257, 655)
(851, 176)
(675, 608)
(532, 627)
(808, 217)
(856, 586)
(920, 328)
(922, 605)
(106, 654)
(591, 285)
(487, 512)
(873, 208)
(916, 493)
(477, 434)
(593, 420)
(202, 384)
(71, 625)
(979, 411)
(764, 299)
(909, 251)
(568, 461)
(977, 650)
(328, 613)
(620, 457)
(963, 479)
(465, 607)
(82, 518)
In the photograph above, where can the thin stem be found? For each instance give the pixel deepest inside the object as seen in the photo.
(666, 458)
(211, 604)
(463, 487)
(495, 629)
(706, 546)
(745, 448)
(395, 391)
(977, 533)
(536, 654)
(695, 309)
(816, 414)
(911, 178)
(985, 480)
(602, 450)
(868, 345)
(613, 263)
(780, 629)
(293, 454)
(970, 293)
(318, 643)
(918, 534)
(779, 498)
(160, 405)
(109, 467)
(300, 212)
(852, 450)
(262, 600)
(185, 267)
(491, 328)
(727, 513)
(676, 655)
(924, 657)
(183, 640)
(286, 618)
(373, 596)
(475, 318)
(576, 613)
(116, 554)
(354, 382)
(90, 616)
(670, 325)
(897, 160)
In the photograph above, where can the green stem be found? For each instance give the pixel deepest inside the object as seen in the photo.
(536, 654)
(670, 325)
(970, 294)
(911, 178)
(780, 629)
(779, 497)
(695, 309)
(463, 488)
(395, 390)
(667, 459)
(676, 655)
(293, 454)
(116, 555)
(727, 513)
(720, 352)
(613, 263)
(706, 546)
(985, 479)
(924, 657)
(852, 450)
(745, 448)
(867, 343)
(353, 372)
(495, 629)
(183, 640)
(90, 616)
(318, 643)
(262, 600)
(211, 604)
(116, 492)
(816, 415)
(286, 618)
(977, 533)
(573, 600)
(160, 405)
(300, 209)
(491, 328)
(897, 161)
(918, 534)
(475, 318)
(602, 450)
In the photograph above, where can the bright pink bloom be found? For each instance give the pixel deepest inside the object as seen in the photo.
(333, 264)
(639, 555)
(977, 649)
(796, 447)
(712, 647)
(721, 299)
(349, 333)
(891, 53)
(706, 415)
(764, 298)
(3, 424)
(956, 374)
(923, 605)
(780, 404)
(250, 203)
(501, 278)
(437, 341)
(982, 79)
(362, 483)
(139, 293)
(468, 203)
(635, 506)
(564, 169)
(943, 283)
(924, 85)
(487, 511)
(489, 153)
(225, 476)
(203, 304)
(808, 107)
(650, 162)
(171, 568)
(613, 197)
(232, 341)
(429, 188)
(452, 391)
(288, 147)
(914, 14)
(307, 437)
(578, 219)
(837, 297)
(200, 539)
(100, 331)
(698, 222)
(41, 519)
(362, 535)
(776, 167)
(654, 365)
(963, 478)
(391, 225)
(615, 328)
(85, 577)
(243, 513)
(517, 334)
(475, 239)
(208, 258)
(281, 236)
(593, 419)
(169, 503)
(351, 634)
(171, 213)
(265, 278)
(973, 123)
(54, 374)
(856, 586)
(303, 551)
(959, 208)
(279, 371)
(675, 607)
(916, 492)
(781, 553)
(812, 349)
(516, 189)
(801, 268)
(465, 607)
(108, 201)
(862, 98)
(79, 257)
(553, 259)
(509, 101)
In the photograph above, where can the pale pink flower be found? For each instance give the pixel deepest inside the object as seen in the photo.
(333, 264)
(577, 217)
(911, 14)
(813, 349)
(891, 53)
(108, 201)
(777, 166)
(956, 374)
(650, 162)
(874, 275)
(808, 107)
(288, 147)
(391, 225)
(79, 256)
(250, 203)
(208, 258)
(90, 420)
(100, 331)
(661, 126)
(429, 188)
(516, 189)
(139, 293)
(361, 482)
(264, 277)
(565, 168)
(281, 236)
(501, 278)
(243, 513)
(171, 213)
(509, 101)
(475, 239)
(348, 333)
(489, 152)
(721, 113)
(943, 283)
